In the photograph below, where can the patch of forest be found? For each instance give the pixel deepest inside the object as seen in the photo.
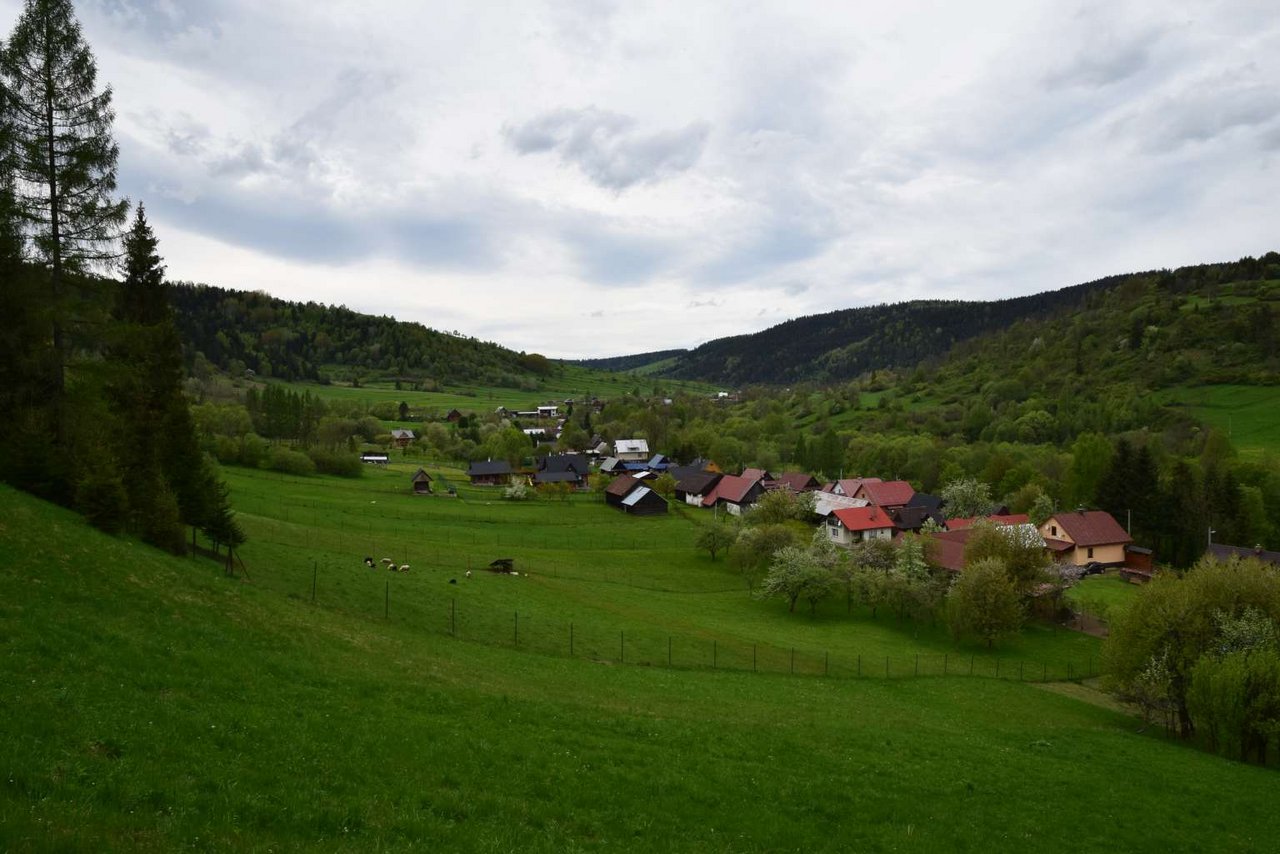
(237, 331)
(841, 345)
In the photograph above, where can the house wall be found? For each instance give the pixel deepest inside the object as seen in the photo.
(1101, 554)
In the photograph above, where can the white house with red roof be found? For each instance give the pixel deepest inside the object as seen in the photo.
(1082, 537)
(849, 525)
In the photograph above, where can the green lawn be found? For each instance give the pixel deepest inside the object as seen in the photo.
(1103, 596)
(152, 705)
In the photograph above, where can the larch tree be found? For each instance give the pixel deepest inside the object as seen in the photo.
(63, 161)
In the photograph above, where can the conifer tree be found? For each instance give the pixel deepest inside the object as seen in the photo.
(63, 160)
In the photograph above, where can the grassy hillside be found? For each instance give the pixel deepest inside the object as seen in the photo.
(154, 705)
(638, 363)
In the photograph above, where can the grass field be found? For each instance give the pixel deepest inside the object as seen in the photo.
(634, 589)
(1249, 415)
(1103, 596)
(152, 705)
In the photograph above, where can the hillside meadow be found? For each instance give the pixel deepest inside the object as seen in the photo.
(153, 704)
(616, 587)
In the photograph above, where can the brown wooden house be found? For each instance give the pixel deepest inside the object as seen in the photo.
(421, 482)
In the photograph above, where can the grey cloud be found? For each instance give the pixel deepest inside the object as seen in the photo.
(608, 147)
(609, 257)
(704, 303)
(1101, 65)
(1207, 111)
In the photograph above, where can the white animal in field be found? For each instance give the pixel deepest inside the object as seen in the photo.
(386, 561)
(468, 573)
(513, 572)
(404, 567)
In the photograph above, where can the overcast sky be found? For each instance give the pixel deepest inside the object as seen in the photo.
(601, 178)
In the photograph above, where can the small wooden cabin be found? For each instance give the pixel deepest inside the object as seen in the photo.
(421, 482)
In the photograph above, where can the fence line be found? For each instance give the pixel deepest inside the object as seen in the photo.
(528, 631)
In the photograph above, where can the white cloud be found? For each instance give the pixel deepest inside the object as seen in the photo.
(505, 169)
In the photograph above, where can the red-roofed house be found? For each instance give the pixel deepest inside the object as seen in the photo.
(886, 493)
(947, 549)
(1086, 536)
(797, 481)
(849, 525)
(736, 494)
(756, 474)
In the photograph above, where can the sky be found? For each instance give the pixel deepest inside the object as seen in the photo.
(587, 179)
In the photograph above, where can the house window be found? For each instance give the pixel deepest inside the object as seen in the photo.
(1053, 530)
(1090, 552)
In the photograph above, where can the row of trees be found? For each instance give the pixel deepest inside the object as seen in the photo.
(92, 389)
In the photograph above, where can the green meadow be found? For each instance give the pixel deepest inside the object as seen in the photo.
(1246, 414)
(151, 704)
(593, 582)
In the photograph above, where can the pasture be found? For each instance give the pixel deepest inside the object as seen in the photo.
(1246, 414)
(150, 704)
(593, 582)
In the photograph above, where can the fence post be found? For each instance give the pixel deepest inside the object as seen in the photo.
(386, 603)
(753, 658)
(668, 650)
(453, 617)
(571, 640)
(944, 664)
(917, 673)
(314, 572)
(793, 661)
(1044, 672)
(713, 655)
(1068, 671)
(971, 665)
(826, 664)
(997, 668)
(859, 665)
(622, 647)
(886, 667)
(515, 637)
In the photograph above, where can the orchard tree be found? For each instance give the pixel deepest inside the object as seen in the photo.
(715, 538)
(752, 552)
(967, 498)
(985, 602)
(798, 573)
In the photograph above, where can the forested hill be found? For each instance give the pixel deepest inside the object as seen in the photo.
(236, 330)
(630, 363)
(844, 344)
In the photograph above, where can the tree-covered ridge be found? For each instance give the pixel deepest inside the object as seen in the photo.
(238, 330)
(630, 363)
(841, 345)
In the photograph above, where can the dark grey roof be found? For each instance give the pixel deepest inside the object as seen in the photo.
(699, 483)
(483, 467)
(1225, 552)
(566, 462)
(557, 477)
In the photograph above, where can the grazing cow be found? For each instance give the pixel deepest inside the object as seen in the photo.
(386, 561)
(453, 581)
(368, 562)
(403, 568)
(468, 573)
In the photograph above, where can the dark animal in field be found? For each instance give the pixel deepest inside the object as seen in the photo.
(368, 562)
(453, 581)
(468, 573)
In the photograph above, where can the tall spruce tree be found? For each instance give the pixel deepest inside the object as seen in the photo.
(158, 449)
(64, 162)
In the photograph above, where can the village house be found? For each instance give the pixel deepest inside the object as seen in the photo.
(563, 468)
(453, 416)
(848, 486)
(631, 496)
(826, 503)
(888, 494)
(735, 494)
(631, 450)
(849, 525)
(946, 550)
(755, 474)
(695, 486)
(401, 438)
(959, 524)
(548, 411)
(1221, 551)
(1083, 537)
(796, 481)
(490, 473)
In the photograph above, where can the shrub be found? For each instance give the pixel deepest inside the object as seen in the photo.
(341, 463)
(280, 458)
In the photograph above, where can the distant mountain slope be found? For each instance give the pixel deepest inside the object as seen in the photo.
(294, 340)
(844, 344)
(639, 361)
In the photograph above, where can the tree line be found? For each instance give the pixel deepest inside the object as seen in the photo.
(92, 366)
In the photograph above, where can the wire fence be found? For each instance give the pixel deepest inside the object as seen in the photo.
(533, 632)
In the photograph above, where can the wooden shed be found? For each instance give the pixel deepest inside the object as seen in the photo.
(421, 482)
